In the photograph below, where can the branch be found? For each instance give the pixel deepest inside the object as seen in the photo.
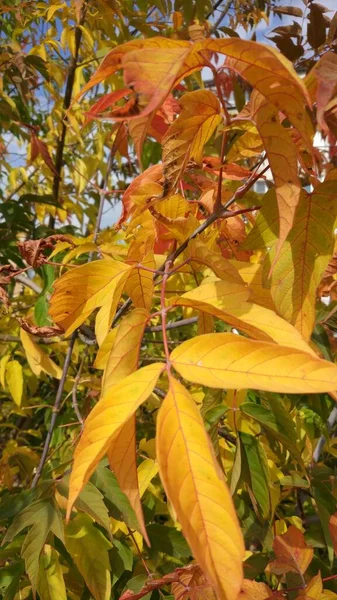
(29, 283)
(55, 412)
(66, 105)
(320, 444)
(173, 325)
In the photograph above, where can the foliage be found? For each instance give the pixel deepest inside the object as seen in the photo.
(168, 293)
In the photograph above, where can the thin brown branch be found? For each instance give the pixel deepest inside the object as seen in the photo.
(56, 408)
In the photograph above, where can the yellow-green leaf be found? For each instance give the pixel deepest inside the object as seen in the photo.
(50, 582)
(194, 484)
(227, 360)
(88, 548)
(14, 379)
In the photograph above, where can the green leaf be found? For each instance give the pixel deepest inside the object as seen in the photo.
(120, 506)
(50, 582)
(258, 469)
(89, 550)
(168, 540)
(10, 579)
(121, 559)
(38, 199)
(90, 501)
(42, 305)
(212, 416)
(43, 517)
(326, 506)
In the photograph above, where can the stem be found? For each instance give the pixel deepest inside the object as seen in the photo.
(174, 325)
(66, 105)
(55, 412)
(164, 314)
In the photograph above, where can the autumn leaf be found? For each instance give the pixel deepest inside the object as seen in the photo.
(38, 360)
(226, 360)
(140, 190)
(105, 421)
(195, 486)
(188, 134)
(282, 157)
(229, 303)
(325, 72)
(122, 361)
(253, 590)
(81, 290)
(292, 553)
(271, 74)
(14, 380)
(333, 531)
(123, 356)
(304, 258)
(200, 253)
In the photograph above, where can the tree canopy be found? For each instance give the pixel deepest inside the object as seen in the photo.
(168, 300)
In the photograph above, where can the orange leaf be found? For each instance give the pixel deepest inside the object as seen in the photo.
(105, 421)
(252, 590)
(188, 134)
(195, 486)
(326, 73)
(333, 531)
(82, 289)
(292, 553)
(227, 360)
(140, 190)
(271, 74)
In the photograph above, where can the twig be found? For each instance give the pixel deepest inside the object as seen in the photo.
(29, 283)
(174, 325)
(66, 105)
(75, 386)
(320, 444)
(224, 214)
(55, 411)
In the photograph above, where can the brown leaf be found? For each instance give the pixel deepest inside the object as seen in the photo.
(333, 531)
(32, 250)
(4, 298)
(45, 331)
(292, 553)
(39, 147)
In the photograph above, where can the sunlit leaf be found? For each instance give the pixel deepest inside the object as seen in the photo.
(38, 360)
(195, 486)
(226, 360)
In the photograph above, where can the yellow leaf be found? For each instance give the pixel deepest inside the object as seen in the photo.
(252, 274)
(123, 360)
(194, 484)
(217, 299)
(140, 284)
(105, 349)
(14, 379)
(123, 356)
(147, 470)
(37, 359)
(89, 548)
(227, 360)
(3, 365)
(292, 553)
(313, 590)
(271, 74)
(221, 266)
(253, 590)
(282, 157)
(189, 133)
(107, 313)
(82, 289)
(304, 258)
(50, 582)
(104, 422)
